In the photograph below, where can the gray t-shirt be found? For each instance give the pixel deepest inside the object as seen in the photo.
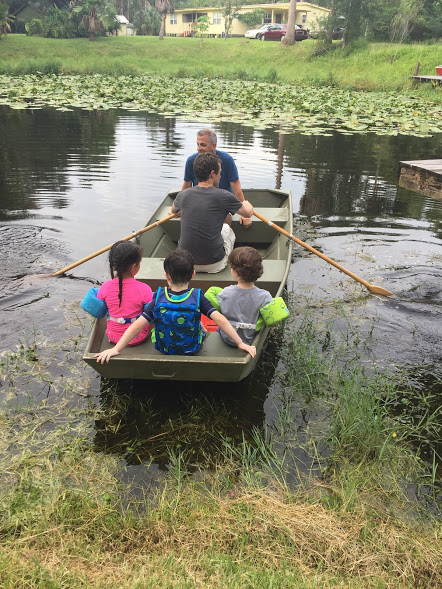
(242, 305)
(203, 211)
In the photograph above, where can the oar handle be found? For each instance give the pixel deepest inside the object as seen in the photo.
(107, 248)
(371, 287)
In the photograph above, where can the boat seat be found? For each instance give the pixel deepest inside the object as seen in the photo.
(152, 273)
(259, 232)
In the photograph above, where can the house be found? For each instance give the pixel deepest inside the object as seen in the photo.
(27, 11)
(182, 22)
(126, 28)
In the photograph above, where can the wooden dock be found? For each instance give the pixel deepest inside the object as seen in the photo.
(437, 80)
(423, 176)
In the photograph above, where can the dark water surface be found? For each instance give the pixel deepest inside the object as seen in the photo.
(73, 182)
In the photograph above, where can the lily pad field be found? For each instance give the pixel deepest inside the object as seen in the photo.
(311, 110)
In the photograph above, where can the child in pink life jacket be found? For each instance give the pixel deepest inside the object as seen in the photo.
(124, 296)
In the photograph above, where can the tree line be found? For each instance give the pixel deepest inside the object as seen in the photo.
(375, 20)
(65, 19)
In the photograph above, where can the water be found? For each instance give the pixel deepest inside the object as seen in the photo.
(73, 182)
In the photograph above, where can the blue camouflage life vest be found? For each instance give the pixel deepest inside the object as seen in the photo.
(177, 322)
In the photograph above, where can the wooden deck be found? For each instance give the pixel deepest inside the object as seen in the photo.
(435, 79)
(423, 176)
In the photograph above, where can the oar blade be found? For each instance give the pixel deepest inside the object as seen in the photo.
(379, 290)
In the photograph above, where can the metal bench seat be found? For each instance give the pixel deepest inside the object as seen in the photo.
(152, 272)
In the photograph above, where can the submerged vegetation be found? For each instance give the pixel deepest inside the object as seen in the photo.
(336, 498)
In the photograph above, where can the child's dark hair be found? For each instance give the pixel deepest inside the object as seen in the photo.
(179, 266)
(247, 263)
(122, 255)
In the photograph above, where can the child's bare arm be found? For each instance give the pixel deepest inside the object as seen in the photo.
(128, 336)
(224, 324)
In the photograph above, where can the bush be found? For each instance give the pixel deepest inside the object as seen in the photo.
(36, 27)
(57, 24)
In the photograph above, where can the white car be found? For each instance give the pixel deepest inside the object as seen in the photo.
(255, 33)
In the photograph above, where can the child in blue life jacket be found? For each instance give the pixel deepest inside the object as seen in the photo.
(122, 297)
(175, 312)
(246, 306)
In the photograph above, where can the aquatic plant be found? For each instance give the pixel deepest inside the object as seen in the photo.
(309, 110)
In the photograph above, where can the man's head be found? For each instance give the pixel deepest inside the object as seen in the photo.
(206, 141)
(179, 266)
(207, 168)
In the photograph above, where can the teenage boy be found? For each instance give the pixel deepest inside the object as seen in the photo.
(206, 215)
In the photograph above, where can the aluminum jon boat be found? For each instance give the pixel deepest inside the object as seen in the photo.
(216, 361)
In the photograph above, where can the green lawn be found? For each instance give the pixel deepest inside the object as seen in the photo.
(379, 66)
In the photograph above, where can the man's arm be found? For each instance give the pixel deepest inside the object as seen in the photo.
(246, 210)
(237, 191)
(188, 184)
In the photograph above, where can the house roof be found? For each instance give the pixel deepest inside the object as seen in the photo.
(121, 19)
(32, 5)
(300, 7)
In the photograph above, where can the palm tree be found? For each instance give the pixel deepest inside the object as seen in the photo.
(163, 7)
(5, 20)
(289, 38)
(97, 15)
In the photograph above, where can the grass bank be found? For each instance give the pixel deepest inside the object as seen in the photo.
(367, 66)
(251, 512)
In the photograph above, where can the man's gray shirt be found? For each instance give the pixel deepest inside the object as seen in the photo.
(203, 211)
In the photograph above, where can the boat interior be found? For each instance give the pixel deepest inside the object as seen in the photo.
(143, 361)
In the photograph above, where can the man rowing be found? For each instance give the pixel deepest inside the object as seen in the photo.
(206, 215)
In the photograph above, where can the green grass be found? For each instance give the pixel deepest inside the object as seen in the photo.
(379, 66)
(237, 513)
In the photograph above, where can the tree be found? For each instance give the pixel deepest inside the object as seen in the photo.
(253, 18)
(202, 24)
(147, 21)
(229, 10)
(96, 15)
(289, 38)
(405, 19)
(163, 7)
(6, 20)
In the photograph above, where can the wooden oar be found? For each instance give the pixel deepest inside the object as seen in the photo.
(371, 287)
(105, 249)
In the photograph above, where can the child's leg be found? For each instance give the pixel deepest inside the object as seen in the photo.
(138, 339)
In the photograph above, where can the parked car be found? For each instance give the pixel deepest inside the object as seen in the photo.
(337, 33)
(278, 32)
(254, 33)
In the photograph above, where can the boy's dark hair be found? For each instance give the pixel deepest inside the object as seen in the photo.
(204, 163)
(122, 255)
(179, 266)
(247, 263)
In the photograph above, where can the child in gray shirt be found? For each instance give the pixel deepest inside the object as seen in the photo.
(241, 302)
